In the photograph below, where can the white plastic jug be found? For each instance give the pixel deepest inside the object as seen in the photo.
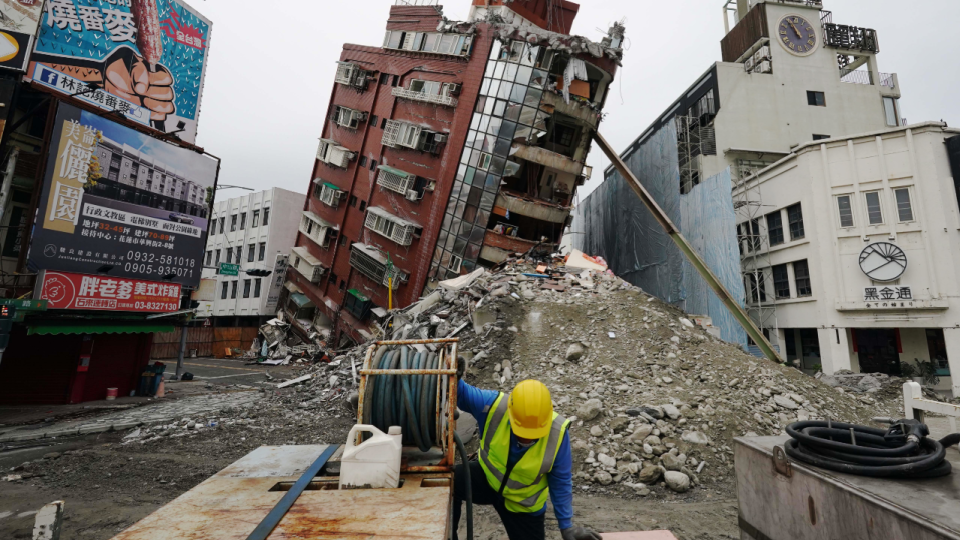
(375, 463)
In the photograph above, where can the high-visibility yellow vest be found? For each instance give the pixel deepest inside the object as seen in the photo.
(526, 490)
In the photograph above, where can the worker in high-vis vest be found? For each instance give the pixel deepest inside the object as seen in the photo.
(525, 457)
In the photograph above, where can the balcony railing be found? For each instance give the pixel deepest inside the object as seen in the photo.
(862, 76)
(436, 99)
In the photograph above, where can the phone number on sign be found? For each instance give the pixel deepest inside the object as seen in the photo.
(159, 270)
(140, 257)
(156, 306)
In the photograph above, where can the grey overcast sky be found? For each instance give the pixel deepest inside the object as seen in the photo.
(271, 69)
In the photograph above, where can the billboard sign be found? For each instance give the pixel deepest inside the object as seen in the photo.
(66, 290)
(145, 59)
(18, 25)
(117, 201)
(276, 285)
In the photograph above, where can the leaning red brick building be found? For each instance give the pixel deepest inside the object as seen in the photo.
(450, 146)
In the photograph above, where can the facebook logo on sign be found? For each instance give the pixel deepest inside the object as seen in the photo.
(49, 77)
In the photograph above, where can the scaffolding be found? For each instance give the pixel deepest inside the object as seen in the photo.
(690, 152)
(761, 294)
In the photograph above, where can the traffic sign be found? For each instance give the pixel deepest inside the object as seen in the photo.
(227, 269)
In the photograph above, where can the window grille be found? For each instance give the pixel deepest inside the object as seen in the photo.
(346, 73)
(329, 196)
(389, 226)
(399, 183)
(391, 133)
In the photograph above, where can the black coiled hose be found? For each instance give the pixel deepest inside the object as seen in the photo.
(408, 401)
(903, 451)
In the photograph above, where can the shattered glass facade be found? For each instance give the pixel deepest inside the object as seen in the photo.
(613, 223)
(508, 109)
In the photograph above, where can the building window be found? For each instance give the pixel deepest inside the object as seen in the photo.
(266, 216)
(874, 210)
(373, 120)
(233, 289)
(256, 219)
(263, 251)
(256, 288)
(222, 221)
(209, 257)
(846, 211)
(353, 201)
(246, 288)
(243, 221)
(758, 291)
(229, 255)
(384, 78)
(817, 99)
(218, 258)
(781, 281)
(904, 209)
(363, 205)
(333, 278)
(223, 291)
(775, 228)
(363, 161)
(891, 111)
(373, 164)
(820, 137)
(233, 223)
(795, 218)
(251, 251)
(801, 276)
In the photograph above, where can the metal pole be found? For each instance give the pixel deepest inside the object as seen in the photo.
(183, 347)
(735, 308)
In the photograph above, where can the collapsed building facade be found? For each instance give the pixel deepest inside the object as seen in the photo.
(452, 145)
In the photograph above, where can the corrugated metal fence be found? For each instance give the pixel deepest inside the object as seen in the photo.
(207, 341)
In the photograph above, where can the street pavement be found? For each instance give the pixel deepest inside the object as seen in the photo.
(223, 371)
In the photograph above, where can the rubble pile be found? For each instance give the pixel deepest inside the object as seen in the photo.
(655, 399)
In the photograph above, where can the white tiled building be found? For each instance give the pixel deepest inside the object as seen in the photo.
(250, 231)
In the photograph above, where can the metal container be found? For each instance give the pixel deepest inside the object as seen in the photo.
(781, 499)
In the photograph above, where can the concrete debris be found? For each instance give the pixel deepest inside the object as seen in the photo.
(653, 412)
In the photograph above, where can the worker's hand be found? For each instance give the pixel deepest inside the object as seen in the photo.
(127, 75)
(461, 367)
(580, 533)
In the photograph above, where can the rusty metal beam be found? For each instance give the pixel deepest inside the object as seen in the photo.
(732, 305)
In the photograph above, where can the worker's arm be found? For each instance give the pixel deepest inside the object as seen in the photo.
(560, 480)
(475, 401)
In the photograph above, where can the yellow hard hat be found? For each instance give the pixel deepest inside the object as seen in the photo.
(531, 411)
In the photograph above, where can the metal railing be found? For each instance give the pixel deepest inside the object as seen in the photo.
(914, 406)
(416, 2)
(436, 99)
(862, 76)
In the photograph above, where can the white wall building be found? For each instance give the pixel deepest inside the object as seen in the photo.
(862, 236)
(250, 231)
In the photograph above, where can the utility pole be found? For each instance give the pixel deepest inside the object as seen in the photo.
(183, 347)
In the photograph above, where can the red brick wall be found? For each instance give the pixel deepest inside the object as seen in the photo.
(360, 182)
(538, 12)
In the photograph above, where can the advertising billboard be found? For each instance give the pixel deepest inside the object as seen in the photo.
(66, 290)
(18, 25)
(118, 202)
(145, 59)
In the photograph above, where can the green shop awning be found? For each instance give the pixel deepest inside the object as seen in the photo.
(331, 186)
(52, 329)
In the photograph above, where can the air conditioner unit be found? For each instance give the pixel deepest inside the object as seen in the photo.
(454, 89)
(765, 67)
(440, 139)
(412, 195)
(748, 65)
(765, 52)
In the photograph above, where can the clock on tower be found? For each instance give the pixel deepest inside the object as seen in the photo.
(797, 35)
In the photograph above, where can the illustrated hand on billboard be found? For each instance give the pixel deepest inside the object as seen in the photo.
(128, 76)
